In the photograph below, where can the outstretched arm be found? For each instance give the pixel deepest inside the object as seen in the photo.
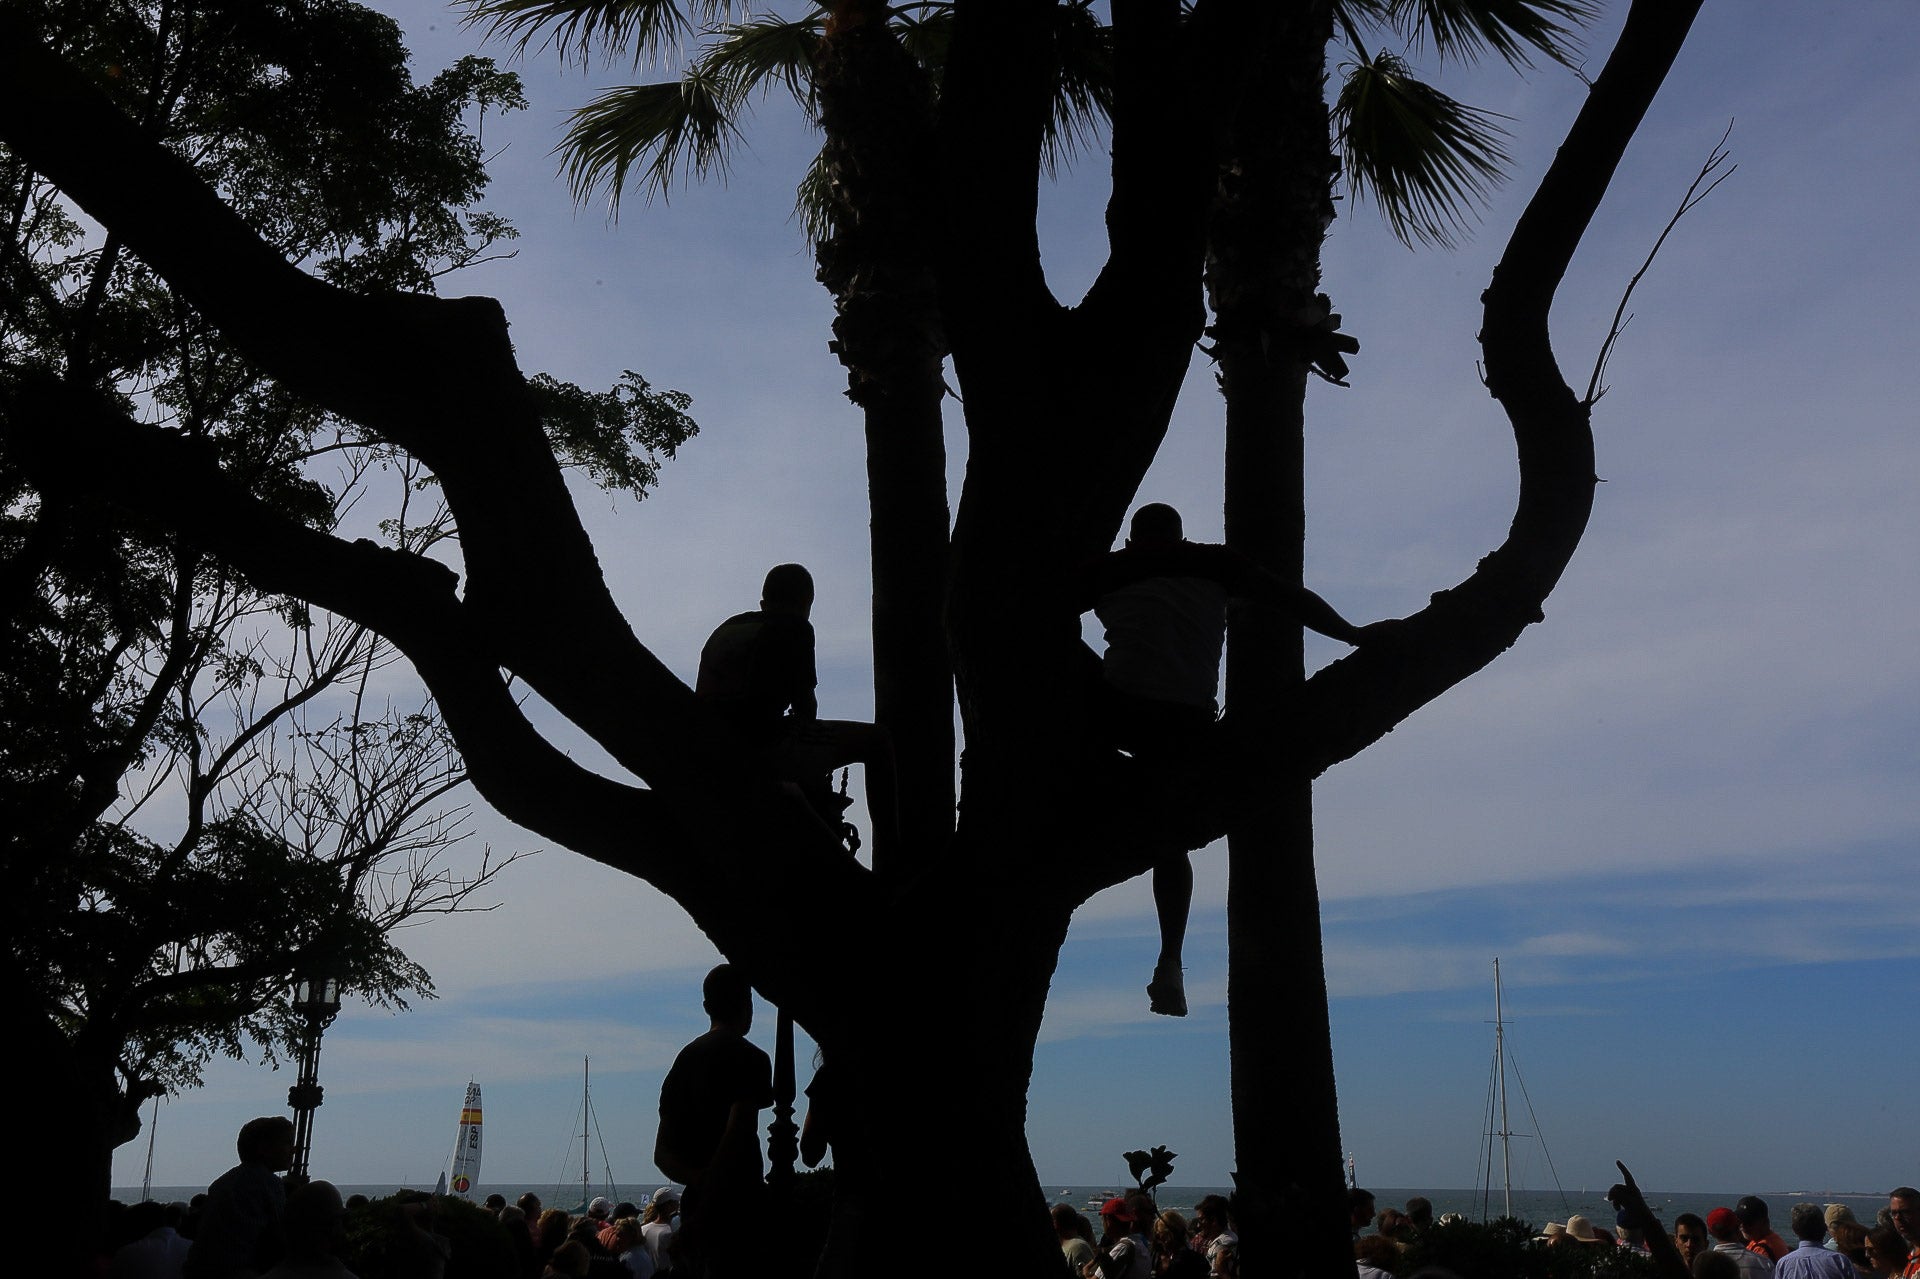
(1313, 612)
(1665, 1255)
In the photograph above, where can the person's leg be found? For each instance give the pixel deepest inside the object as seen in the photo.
(828, 744)
(1172, 897)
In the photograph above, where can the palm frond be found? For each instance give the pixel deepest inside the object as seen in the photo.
(752, 55)
(662, 127)
(813, 201)
(1465, 29)
(1083, 83)
(926, 33)
(1424, 158)
(579, 29)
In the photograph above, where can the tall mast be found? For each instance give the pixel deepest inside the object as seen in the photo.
(1500, 1056)
(586, 1129)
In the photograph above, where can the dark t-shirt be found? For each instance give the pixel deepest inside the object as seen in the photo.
(708, 1077)
(756, 665)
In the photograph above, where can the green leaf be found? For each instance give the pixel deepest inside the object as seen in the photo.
(1425, 159)
(812, 200)
(660, 127)
(578, 29)
(751, 56)
(1083, 83)
(1465, 29)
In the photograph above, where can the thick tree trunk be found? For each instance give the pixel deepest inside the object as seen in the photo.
(74, 1118)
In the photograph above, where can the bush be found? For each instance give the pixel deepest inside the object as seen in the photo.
(381, 1243)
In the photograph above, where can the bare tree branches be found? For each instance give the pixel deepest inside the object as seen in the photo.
(1695, 194)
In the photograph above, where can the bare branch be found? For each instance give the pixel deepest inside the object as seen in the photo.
(1695, 194)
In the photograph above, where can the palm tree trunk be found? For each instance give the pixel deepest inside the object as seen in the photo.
(876, 108)
(1263, 274)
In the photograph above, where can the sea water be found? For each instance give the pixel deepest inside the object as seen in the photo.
(1533, 1206)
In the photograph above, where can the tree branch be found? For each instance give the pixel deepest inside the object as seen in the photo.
(1352, 703)
(434, 375)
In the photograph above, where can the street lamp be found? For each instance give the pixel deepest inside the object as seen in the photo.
(316, 999)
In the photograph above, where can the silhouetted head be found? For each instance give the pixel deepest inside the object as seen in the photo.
(1886, 1250)
(1809, 1221)
(1155, 524)
(315, 1220)
(1755, 1221)
(1723, 1225)
(788, 589)
(728, 998)
(1210, 1215)
(1359, 1207)
(662, 1204)
(529, 1203)
(1690, 1236)
(1903, 1205)
(267, 1140)
(1420, 1211)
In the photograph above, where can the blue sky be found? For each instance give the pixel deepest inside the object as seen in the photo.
(1681, 811)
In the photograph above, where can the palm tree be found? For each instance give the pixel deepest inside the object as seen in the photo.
(1425, 160)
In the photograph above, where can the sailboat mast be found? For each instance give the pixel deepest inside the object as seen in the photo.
(586, 1130)
(1500, 1056)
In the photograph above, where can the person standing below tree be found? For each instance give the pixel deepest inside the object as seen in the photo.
(1163, 601)
(709, 1135)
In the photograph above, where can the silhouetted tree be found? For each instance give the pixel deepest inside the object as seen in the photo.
(205, 788)
(1065, 408)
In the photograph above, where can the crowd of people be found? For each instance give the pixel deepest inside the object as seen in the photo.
(1730, 1242)
(1139, 1239)
(268, 1232)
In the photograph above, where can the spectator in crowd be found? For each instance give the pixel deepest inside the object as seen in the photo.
(1359, 1210)
(1757, 1226)
(1810, 1258)
(1903, 1211)
(316, 1233)
(240, 1234)
(1120, 1254)
(656, 1225)
(1724, 1226)
(1172, 1258)
(1690, 1237)
(1211, 1227)
(1075, 1248)
(1886, 1252)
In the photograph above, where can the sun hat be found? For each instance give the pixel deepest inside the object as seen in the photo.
(1582, 1229)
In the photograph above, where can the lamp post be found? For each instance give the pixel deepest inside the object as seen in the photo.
(316, 998)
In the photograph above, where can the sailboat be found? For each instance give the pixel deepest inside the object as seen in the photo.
(1498, 1129)
(463, 1166)
(589, 1132)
